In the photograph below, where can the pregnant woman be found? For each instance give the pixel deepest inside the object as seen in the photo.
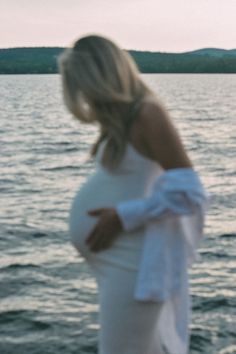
(137, 145)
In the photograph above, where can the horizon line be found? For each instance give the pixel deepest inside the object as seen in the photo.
(138, 50)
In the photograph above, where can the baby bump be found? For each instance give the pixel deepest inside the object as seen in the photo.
(95, 193)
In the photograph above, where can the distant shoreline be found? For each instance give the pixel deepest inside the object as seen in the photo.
(43, 60)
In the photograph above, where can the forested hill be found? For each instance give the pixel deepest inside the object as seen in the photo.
(39, 60)
(42, 60)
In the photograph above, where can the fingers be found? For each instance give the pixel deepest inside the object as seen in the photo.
(95, 212)
(91, 236)
(104, 232)
(96, 241)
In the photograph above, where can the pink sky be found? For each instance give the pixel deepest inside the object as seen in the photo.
(166, 25)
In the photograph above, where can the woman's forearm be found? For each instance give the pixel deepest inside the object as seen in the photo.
(177, 191)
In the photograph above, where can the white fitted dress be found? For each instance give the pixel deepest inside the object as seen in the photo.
(127, 326)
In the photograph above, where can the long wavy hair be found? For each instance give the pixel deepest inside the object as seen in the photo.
(102, 84)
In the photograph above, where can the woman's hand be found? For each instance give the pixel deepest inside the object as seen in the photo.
(105, 231)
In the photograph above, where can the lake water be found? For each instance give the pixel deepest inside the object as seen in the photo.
(48, 297)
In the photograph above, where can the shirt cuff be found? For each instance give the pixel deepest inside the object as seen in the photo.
(132, 213)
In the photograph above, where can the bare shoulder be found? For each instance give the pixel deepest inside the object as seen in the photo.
(149, 116)
(159, 136)
(152, 114)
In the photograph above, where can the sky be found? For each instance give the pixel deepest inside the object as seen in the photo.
(153, 25)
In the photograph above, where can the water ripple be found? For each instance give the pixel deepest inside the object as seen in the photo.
(48, 294)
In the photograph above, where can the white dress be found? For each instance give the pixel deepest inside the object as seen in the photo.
(127, 326)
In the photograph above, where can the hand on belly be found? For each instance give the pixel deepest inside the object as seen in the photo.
(106, 229)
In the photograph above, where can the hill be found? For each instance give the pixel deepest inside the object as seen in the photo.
(214, 52)
(42, 60)
(38, 60)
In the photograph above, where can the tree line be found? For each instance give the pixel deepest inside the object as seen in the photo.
(43, 60)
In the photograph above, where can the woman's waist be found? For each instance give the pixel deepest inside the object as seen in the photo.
(125, 252)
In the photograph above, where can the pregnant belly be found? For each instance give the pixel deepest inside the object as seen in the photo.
(103, 191)
(97, 192)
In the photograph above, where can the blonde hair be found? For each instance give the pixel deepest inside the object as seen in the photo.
(102, 83)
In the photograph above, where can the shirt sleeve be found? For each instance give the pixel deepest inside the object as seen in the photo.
(177, 191)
